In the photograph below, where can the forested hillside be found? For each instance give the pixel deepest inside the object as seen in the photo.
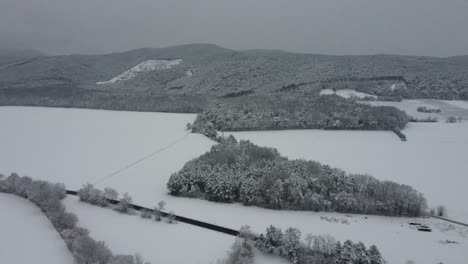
(212, 70)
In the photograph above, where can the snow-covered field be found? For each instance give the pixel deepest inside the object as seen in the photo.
(346, 93)
(27, 236)
(77, 146)
(398, 240)
(459, 103)
(157, 242)
(456, 108)
(448, 108)
(149, 65)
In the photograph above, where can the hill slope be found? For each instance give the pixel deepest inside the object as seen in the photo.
(212, 70)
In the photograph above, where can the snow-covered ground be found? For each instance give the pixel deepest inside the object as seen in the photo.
(189, 73)
(157, 242)
(397, 240)
(458, 103)
(27, 236)
(448, 108)
(346, 93)
(149, 65)
(77, 146)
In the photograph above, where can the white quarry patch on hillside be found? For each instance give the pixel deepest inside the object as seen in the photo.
(146, 66)
(189, 73)
(346, 93)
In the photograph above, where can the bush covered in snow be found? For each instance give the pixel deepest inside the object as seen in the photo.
(243, 172)
(425, 109)
(292, 112)
(47, 197)
(241, 253)
(89, 194)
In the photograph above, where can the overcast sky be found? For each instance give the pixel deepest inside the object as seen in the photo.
(413, 27)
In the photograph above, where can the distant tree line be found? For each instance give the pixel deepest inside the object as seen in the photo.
(47, 196)
(290, 112)
(243, 172)
(74, 97)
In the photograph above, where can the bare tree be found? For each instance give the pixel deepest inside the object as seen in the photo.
(441, 211)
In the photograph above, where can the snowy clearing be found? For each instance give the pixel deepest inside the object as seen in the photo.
(346, 93)
(146, 66)
(458, 103)
(86, 145)
(189, 73)
(396, 238)
(158, 242)
(449, 108)
(154, 240)
(27, 236)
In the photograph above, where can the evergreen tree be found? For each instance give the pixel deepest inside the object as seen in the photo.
(361, 253)
(374, 255)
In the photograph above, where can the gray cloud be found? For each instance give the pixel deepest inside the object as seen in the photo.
(414, 27)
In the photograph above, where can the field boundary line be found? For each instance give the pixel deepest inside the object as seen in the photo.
(448, 220)
(128, 166)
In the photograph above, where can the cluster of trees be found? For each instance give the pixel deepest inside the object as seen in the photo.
(452, 119)
(313, 249)
(47, 197)
(89, 194)
(425, 109)
(94, 196)
(243, 172)
(293, 112)
(439, 211)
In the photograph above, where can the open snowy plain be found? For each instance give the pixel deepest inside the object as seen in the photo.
(78, 146)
